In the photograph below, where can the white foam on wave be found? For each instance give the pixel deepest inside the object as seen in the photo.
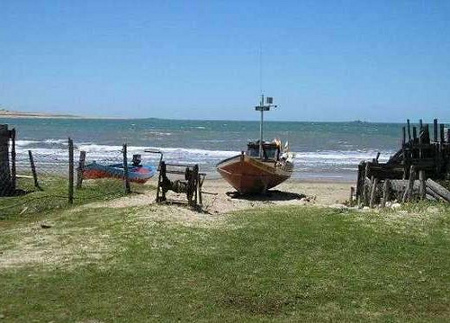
(23, 143)
(159, 133)
(327, 161)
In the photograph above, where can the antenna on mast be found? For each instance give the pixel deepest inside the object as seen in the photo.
(263, 107)
(260, 69)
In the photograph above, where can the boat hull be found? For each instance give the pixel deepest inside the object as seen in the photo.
(249, 175)
(136, 174)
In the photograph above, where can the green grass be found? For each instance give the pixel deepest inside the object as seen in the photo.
(292, 264)
(54, 195)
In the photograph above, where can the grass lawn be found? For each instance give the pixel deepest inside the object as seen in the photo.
(54, 195)
(292, 264)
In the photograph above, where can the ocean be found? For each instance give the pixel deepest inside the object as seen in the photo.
(323, 150)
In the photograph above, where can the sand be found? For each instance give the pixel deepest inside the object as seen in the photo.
(219, 197)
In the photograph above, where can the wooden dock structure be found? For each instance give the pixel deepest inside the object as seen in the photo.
(422, 159)
(7, 161)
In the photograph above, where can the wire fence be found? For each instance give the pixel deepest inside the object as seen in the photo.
(40, 180)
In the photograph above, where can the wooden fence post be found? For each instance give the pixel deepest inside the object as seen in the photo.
(435, 130)
(373, 191)
(71, 171)
(409, 187)
(367, 185)
(352, 193)
(13, 160)
(409, 130)
(385, 197)
(33, 170)
(422, 185)
(5, 174)
(80, 169)
(360, 182)
(126, 179)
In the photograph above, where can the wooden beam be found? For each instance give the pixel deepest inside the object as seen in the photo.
(438, 189)
(435, 130)
(385, 197)
(409, 130)
(373, 192)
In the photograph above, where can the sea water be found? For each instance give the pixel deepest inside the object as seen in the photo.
(323, 150)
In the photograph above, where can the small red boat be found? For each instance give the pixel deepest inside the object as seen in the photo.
(136, 172)
(264, 165)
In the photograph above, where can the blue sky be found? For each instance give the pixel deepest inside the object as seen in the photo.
(321, 60)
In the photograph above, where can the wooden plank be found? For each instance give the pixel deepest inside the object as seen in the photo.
(438, 189)
(435, 130)
(5, 173)
(408, 192)
(422, 185)
(360, 181)
(409, 130)
(373, 192)
(437, 197)
(352, 193)
(385, 197)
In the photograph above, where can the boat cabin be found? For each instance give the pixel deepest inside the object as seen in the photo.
(271, 150)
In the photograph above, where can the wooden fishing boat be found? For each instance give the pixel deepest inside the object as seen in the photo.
(264, 165)
(136, 173)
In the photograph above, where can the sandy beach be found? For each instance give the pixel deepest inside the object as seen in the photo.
(35, 115)
(220, 198)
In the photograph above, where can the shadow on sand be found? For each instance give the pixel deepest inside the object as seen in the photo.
(271, 195)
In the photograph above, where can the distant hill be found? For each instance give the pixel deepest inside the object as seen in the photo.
(17, 114)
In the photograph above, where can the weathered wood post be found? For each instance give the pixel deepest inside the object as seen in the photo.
(410, 185)
(360, 182)
(33, 170)
(13, 159)
(435, 130)
(409, 130)
(199, 188)
(373, 191)
(422, 185)
(6, 185)
(385, 197)
(71, 171)
(126, 179)
(80, 169)
(352, 193)
(194, 184)
(405, 159)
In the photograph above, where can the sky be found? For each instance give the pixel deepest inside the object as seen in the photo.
(321, 60)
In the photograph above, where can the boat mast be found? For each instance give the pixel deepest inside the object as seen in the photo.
(261, 107)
